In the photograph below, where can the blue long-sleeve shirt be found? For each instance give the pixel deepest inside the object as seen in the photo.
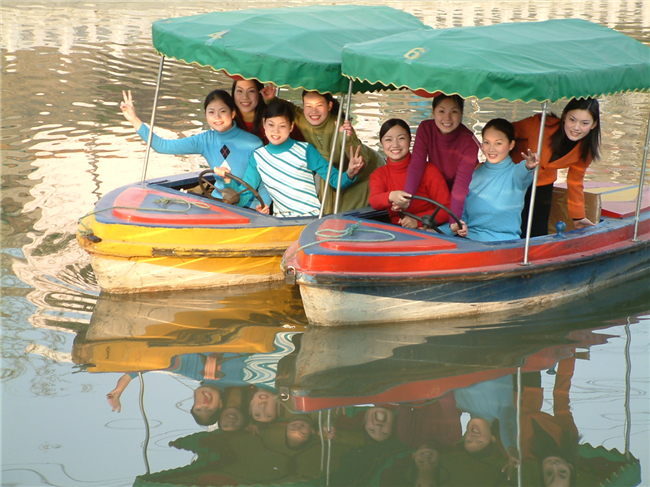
(495, 200)
(235, 146)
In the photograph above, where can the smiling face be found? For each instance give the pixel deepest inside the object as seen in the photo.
(316, 108)
(263, 408)
(478, 435)
(231, 419)
(298, 432)
(207, 400)
(578, 124)
(426, 458)
(219, 116)
(447, 115)
(246, 95)
(396, 143)
(379, 423)
(277, 129)
(556, 472)
(496, 145)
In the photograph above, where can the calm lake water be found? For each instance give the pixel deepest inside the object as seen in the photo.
(64, 346)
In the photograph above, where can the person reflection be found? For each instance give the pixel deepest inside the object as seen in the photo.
(549, 442)
(373, 435)
(379, 423)
(215, 372)
(487, 453)
(419, 468)
(234, 416)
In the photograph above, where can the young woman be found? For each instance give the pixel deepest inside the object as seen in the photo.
(287, 167)
(447, 144)
(223, 145)
(386, 182)
(571, 141)
(249, 95)
(496, 193)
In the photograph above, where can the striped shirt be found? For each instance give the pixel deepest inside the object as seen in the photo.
(287, 171)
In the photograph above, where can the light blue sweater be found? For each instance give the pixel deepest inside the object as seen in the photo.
(235, 145)
(495, 200)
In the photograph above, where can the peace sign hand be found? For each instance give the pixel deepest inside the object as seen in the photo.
(128, 110)
(356, 162)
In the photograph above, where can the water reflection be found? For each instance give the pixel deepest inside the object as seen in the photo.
(469, 403)
(64, 146)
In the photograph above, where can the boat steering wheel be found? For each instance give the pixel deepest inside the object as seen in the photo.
(429, 221)
(230, 196)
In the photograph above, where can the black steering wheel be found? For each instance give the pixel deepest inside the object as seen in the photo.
(429, 221)
(230, 196)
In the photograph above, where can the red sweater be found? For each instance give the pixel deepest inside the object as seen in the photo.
(392, 177)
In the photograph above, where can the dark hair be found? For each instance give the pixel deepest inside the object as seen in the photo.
(259, 109)
(210, 420)
(222, 95)
(591, 143)
(457, 98)
(543, 445)
(389, 124)
(503, 126)
(336, 106)
(279, 108)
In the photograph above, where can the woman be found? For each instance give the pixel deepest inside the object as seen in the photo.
(571, 141)
(249, 96)
(447, 144)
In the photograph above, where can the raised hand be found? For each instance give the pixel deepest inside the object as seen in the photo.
(532, 160)
(128, 110)
(268, 92)
(356, 162)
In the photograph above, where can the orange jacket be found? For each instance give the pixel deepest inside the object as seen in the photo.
(527, 135)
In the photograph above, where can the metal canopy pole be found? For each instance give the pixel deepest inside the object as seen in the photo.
(145, 445)
(533, 189)
(153, 119)
(347, 117)
(639, 195)
(331, 164)
(628, 375)
(519, 479)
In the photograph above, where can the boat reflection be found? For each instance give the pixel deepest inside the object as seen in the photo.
(138, 333)
(390, 401)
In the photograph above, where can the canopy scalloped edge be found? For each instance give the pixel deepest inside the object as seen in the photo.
(390, 86)
(380, 87)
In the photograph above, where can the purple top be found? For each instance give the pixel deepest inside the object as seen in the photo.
(455, 154)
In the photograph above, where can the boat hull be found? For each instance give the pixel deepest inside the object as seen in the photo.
(342, 287)
(153, 237)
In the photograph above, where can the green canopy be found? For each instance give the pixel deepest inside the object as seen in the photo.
(299, 47)
(525, 61)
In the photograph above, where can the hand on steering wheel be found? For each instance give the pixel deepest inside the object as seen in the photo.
(429, 221)
(231, 197)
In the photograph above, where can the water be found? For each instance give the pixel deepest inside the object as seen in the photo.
(65, 144)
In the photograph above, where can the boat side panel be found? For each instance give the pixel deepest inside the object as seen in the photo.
(385, 301)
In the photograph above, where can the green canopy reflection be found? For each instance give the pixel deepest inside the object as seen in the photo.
(525, 61)
(298, 47)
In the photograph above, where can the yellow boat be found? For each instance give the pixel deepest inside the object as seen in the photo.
(155, 238)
